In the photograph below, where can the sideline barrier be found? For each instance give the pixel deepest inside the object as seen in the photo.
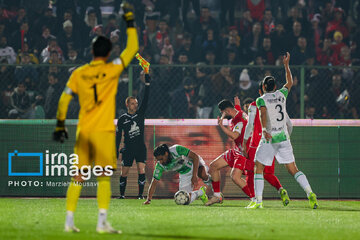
(325, 150)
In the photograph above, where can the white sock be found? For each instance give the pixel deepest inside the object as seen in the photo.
(69, 221)
(217, 194)
(304, 183)
(102, 218)
(259, 187)
(195, 195)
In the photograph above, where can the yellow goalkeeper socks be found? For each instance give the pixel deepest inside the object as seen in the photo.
(72, 195)
(103, 192)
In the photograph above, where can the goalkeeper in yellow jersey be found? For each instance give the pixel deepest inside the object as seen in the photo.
(96, 86)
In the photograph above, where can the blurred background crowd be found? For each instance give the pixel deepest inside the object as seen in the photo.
(201, 51)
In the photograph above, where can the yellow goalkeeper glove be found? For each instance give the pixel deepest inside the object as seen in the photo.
(143, 63)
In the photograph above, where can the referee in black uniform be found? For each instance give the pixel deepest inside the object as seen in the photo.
(132, 123)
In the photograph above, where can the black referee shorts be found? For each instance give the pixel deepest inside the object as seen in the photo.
(129, 153)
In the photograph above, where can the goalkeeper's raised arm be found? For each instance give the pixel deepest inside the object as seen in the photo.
(132, 44)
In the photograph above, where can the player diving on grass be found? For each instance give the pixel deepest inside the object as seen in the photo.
(188, 164)
(253, 135)
(275, 141)
(132, 124)
(234, 157)
(96, 85)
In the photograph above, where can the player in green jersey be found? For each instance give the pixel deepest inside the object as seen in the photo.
(188, 164)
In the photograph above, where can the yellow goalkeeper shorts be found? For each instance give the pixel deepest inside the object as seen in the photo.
(95, 148)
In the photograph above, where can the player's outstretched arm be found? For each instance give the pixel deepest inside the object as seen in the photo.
(60, 133)
(132, 44)
(196, 163)
(151, 191)
(289, 79)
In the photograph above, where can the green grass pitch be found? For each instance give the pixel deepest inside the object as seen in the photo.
(44, 219)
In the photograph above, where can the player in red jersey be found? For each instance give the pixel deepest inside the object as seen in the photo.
(252, 136)
(233, 157)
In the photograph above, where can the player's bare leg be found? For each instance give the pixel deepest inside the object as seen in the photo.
(72, 197)
(141, 178)
(215, 167)
(303, 182)
(235, 175)
(123, 180)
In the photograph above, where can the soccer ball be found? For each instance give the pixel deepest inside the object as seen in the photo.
(182, 198)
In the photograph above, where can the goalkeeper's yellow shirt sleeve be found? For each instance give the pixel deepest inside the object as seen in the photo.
(132, 47)
(63, 106)
(66, 96)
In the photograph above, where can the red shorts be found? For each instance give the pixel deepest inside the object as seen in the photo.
(250, 162)
(235, 159)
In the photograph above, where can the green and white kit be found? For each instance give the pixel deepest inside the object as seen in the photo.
(279, 145)
(181, 163)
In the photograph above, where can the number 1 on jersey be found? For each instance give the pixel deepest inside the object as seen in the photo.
(95, 93)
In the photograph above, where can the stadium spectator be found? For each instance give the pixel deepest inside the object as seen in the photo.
(149, 36)
(205, 92)
(247, 88)
(227, 7)
(245, 23)
(114, 37)
(181, 73)
(111, 25)
(20, 102)
(33, 58)
(256, 8)
(184, 100)
(52, 46)
(6, 52)
(68, 38)
(268, 22)
(26, 74)
(301, 52)
(72, 57)
(188, 47)
(42, 41)
(52, 96)
(337, 24)
(46, 20)
(324, 53)
(21, 36)
(168, 50)
(224, 84)
(203, 23)
(253, 41)
(266, 51)
(277, 36)
(337, 44)
(292, 37)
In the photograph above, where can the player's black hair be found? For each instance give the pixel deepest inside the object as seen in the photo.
(248, 101)
(269, 83)
(260, 87)
(161, 150)
(101, 46)
(225, 103)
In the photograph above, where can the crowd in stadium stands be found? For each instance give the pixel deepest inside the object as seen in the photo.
(202, 33)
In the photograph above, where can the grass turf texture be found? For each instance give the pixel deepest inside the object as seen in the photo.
(44, 219)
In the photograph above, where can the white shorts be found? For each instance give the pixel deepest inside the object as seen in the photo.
(185, 179)
(282, 151)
